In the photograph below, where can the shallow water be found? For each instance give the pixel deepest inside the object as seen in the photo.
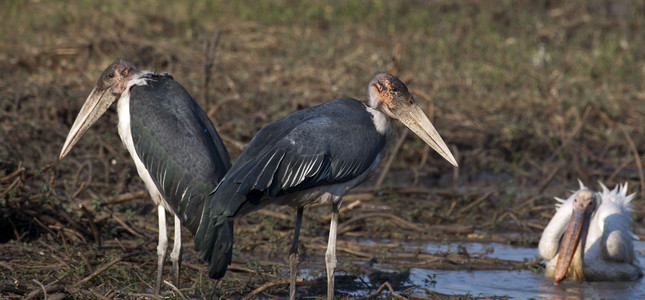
(520, 284)
(517, 284)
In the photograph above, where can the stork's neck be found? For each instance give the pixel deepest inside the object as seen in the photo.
(382, 122)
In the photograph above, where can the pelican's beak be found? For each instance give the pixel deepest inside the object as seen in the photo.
(413, 117)
(95, 106)
(582, 208)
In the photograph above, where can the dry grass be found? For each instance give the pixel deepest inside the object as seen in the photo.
(531, 95)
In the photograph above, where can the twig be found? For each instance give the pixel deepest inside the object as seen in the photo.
(389, 287)
(397, 220)
(90, 217)
(269, 285)
(484, 295)
(343, 210)
(209, 59)
(94, 294)
(77, 176)
(56, 207)
(234, 142)
(88, 266)
(639, 165)
(78, 191)
(545, 182)
(42, 287)
(430, 292)
(10, 187)
(622, 166)
(6, 266)
(274, 214)
(388, 163)
(105, 267)
(13, 174)
(174, 288)
(126, 226)
(126, 197)
(146, 295)
(42, 225)
(474, 203)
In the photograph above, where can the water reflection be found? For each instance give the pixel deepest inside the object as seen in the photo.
(520, 284)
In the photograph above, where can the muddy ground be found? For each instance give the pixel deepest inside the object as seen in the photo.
(529, 95)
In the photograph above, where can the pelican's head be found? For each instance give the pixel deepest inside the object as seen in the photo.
(389, 95)
(108, 89)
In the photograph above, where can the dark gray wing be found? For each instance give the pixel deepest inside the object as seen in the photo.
(323, 145)
(178, 145)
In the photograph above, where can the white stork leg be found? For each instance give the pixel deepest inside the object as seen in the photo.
(293, 256)
(162, 248)
(330, 256)
(177, 251)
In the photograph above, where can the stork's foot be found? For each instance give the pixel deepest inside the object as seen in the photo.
(175, 272)
(177, 252)
(160, 262)
(162, 248)
(330, 255)
(331, 266)
(293, 274)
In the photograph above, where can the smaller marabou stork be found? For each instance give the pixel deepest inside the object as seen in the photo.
(175, 148)
(589, 237)
(315, 155)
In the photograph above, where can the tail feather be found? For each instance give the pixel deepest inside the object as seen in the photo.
(216, 246)
(214, 237)
(221, 250)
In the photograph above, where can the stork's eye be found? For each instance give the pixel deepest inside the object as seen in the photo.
(111, 75)
(379, 87)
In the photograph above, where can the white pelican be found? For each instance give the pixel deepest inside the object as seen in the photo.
(599, 223)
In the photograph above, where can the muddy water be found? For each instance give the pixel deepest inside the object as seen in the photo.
(516, 284)
(520, 284)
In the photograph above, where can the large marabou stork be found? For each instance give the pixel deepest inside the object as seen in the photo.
(589, 237)
(175, 148)
(315, 155)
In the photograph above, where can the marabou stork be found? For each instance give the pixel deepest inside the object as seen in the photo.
(175, 148)
(315, 155)
(589, 237)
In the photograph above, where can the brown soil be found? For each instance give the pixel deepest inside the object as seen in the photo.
(524, 126)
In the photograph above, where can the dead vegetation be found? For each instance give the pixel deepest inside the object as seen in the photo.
(531, 95)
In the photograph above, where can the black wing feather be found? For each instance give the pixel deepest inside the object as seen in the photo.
(178, 144)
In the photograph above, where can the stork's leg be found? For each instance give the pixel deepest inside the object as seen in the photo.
(177, 251)
(162, 247)
(293, 256)
(330, 256)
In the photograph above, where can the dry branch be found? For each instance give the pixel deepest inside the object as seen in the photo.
(12, 175)
(105, 267)
(269, 285)
(389, 287)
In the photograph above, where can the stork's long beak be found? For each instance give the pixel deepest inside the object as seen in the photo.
(95, 106)
(573, 235)
(413, 117)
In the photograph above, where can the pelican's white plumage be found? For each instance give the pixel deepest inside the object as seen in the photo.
(608, 249)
